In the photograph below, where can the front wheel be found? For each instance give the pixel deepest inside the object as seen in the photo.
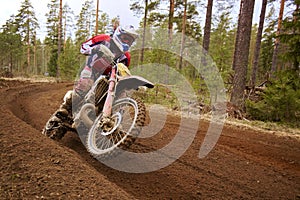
(108, 135)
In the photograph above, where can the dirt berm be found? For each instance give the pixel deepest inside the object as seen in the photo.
(245, 164)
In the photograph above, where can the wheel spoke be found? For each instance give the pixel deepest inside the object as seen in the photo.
(125, 112)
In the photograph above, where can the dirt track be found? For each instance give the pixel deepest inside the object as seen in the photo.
(245, 164)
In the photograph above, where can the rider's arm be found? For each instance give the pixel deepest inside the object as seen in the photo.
(87, 46)
(128, 56)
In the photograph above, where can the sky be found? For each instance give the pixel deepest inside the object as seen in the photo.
(112, 7)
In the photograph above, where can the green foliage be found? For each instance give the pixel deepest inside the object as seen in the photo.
(252, 46)
(52, 23)
(103, 23)
(281, 100)
(85, 23)
(267, 46)
(68, 61)
(160, 94)
(193, 28)
(11, 44)
(52, 64)
(158, 16)
(68, 21)
(52, 35)
(26, 22)
(291, 38)
(222, 44)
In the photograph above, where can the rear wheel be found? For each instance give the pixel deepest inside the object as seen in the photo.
(108, 135)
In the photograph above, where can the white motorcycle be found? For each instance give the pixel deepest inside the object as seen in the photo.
(107, 119)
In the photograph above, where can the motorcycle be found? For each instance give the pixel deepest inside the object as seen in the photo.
(109, 117)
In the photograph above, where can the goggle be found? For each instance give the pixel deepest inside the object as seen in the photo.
(127, 39)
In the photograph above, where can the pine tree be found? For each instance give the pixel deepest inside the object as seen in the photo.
(52, 35)
(290, 37)
(138, 8)
(27, 25)
(280, 101)
(258, 42)
(97, 18)
(207, 27)
(183, 30)
(171, 18)
(59, 43)
(85, 22)
(68, 21)
(267, 46)
(11, 45)
(192, 26)
(222, 45)
(276, 46)
(240, 64)
(103, 23)
(154, 16)
(68, 61)
(52, 23)
(253, 36)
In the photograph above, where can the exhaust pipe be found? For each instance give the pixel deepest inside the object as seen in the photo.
(83, 115)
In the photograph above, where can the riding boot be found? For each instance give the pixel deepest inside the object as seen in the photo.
(61, 120)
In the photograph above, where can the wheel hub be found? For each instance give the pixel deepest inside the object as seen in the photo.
(110, 124)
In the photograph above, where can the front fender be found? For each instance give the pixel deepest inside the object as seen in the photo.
(132, 82)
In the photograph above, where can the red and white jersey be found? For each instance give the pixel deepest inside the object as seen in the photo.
(88, 45)
(99, 63)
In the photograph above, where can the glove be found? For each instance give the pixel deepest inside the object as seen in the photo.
(96, 50)
(106, 52)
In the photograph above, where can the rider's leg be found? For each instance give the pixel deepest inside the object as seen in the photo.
(73, 97)
(66, 107)
(61, 121)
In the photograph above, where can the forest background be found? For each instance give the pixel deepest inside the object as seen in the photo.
(259, 63)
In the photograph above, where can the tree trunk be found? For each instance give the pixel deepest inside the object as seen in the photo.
(242, 53)
(65, 31)
(144, 31)
(276, 46)
(170, 37)
(171, 16)
(258, 42)
(34, 57)
(207, 27)
(59, 37)
(237, 36)
(183, 34)
(97, 16)
(28, 57)
(28, 47)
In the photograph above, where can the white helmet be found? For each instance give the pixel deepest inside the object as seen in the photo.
(125, 36)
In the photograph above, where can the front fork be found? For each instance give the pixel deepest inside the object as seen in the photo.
(107, 108)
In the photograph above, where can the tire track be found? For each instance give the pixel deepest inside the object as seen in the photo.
(244, 163)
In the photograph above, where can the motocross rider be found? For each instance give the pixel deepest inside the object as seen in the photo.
(119, 43)
(96, 65)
